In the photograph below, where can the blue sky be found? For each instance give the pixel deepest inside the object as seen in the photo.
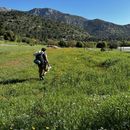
(116, 11)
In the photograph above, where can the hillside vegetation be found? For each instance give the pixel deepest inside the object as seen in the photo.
(42, 24)
(84, 90)
(16, 25)
(97, 28)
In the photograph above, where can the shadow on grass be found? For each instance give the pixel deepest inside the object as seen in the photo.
(14, 81)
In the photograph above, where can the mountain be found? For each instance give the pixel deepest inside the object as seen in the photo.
(57, 25)
(97, 28)
(59, 16)
(26, 25)
(4, 9)
(103, 29)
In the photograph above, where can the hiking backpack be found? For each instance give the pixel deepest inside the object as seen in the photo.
(39, 57)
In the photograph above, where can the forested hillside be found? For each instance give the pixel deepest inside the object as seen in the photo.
(41, 25)
(22, 25)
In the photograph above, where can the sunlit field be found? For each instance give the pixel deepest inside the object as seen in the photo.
(86, 89)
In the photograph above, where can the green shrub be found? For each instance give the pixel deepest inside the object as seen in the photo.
(52, 42)
(62, 43)
(113, 44)
(71, 43)
(101, 44)
(90, 44)
(26, 40)
(125, 43)
(79, 44)
(9, 35)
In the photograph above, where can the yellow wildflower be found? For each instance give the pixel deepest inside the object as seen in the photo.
(47, 128)
(33, 128)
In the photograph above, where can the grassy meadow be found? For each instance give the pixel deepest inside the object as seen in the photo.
(84, 90)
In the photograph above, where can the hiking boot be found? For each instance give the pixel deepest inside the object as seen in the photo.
(41, 78)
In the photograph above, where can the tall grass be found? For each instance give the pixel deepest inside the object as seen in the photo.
(84, 90)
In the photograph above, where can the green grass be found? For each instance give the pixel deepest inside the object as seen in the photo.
(84, 90)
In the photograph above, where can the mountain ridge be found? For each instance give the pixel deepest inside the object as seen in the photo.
(54, 10)
(98, 28)
(9, 9)
(58, 16)
(5, 9)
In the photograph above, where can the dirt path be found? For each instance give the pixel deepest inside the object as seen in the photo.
(8, 45)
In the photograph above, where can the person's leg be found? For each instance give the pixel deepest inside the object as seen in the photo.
(43, 71)
(40, 72)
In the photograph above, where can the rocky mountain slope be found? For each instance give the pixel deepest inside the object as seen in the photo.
(96, 27)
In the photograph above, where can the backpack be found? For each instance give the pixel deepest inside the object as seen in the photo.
(39, 58)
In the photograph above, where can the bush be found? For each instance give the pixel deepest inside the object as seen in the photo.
(113, 45)
(79, 44)
(33, 42)
(1, 38)
(9, 35)
(71, 43)
(25, 39)
(101, 44)
(90, 44)
(52, 42)
(125, 44)
(62, 44)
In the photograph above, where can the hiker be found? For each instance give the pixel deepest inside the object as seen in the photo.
(42, 62)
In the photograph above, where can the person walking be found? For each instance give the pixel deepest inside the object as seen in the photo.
(42, 62)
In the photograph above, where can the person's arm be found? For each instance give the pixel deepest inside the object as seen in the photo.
(46, 58)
